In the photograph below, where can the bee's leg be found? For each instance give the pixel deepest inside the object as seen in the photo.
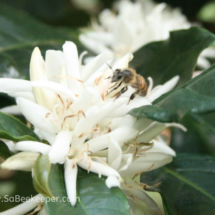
(133, 95)
(124, 89)
(115, 87)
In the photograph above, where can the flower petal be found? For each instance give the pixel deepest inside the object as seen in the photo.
(32, 146)
(24, 207)
(55, 87)
(43, 97)
(114, 153)
(71, 59)
(142, 196)
(99, 168)
(121, 135)
(85, 124)
(94, 65)
(60, 147)
(152, 131)
(125, 108)
(23, 161)
(8, 85)
(161, 147)
(112, 181)
(70, 175)
(169, 85)
(36, 115)
(147, 162)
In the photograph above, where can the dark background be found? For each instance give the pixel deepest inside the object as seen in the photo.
(64, 12)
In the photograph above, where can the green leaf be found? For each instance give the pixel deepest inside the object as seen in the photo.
(199, 137)
(95, 197)
(174, 56)
(4, 151)
(19, 34)
(187, 184)
(55, 12)
(41, 172)
(197, 96)
(13, 129)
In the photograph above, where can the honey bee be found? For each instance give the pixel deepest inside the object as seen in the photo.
(128, 77)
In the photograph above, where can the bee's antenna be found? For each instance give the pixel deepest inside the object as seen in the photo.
(110, 67)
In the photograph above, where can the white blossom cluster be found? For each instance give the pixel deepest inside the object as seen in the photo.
(132, 25)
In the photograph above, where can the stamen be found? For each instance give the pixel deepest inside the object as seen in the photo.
(139, 173)
(70, 116)
(47, 115)
(81, 112)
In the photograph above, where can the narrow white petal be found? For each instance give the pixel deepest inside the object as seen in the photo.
(85, 124)
(177, 125)
(161, 147)
(121, 135)
(55, 63)
(109, 108)
(55, 87)
(95, 46)
(203, 62)
(125, 108)
(125, 162)
(99, 168)
(60, 147)
(83, 102)
(123, 62)
(71, 59)
(10, 145)
(36, 114)
(147, 162)
(169, 85)
(24, 207)
(32, 146)
(112, 181)
(142, 196)
(8, 85)
(70, 175)
(43, 97)
(128, 120)
(152, 131)
(25, 95)
(142, 123)
(23, 161)
(94, 65)
(49, 137)
(114, 153)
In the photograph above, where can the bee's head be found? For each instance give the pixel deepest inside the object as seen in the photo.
(117, 76)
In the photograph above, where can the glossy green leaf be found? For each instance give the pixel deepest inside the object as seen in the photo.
(13, 129)
(41, 172)
(187, 184)
(19, 34)
(199, 137)
(95, 197)
(174, 56)
(197, 96)
(55, 12)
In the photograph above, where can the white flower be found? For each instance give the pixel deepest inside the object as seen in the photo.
(134, 25)
(70, 107)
